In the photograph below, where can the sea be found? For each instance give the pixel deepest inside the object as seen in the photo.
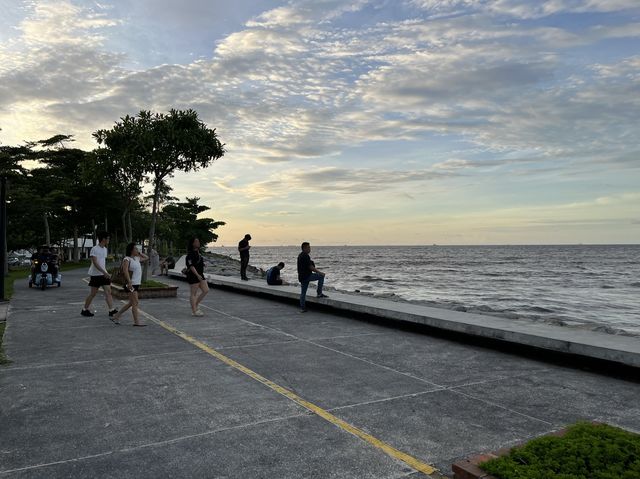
(594, 287)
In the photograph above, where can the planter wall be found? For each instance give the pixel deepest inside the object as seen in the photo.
(146, 293)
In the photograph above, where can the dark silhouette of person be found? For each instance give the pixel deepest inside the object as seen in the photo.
(273, 275)
(308, 272)
(243, 248)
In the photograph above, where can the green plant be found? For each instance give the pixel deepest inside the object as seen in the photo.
(593, 451)
(3, 358)
(13, 275)
(152, 284)
(117, 277)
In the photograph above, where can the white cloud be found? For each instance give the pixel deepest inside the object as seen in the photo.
(296, 84)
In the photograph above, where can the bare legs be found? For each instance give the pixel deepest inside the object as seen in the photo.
(107, 297)
(133, 304)
(196, 298)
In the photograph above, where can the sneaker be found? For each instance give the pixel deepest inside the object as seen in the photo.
(244, 279)
(197, 313)
(86, 312)
(112, 312)
(321, 295)
(303, 310)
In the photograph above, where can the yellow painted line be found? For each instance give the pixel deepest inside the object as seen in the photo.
(391, 451)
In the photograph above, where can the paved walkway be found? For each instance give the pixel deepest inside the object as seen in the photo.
(256, 390)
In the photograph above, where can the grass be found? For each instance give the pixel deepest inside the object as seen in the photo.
(594, 451)
(85, 263)
(152, 284)
(3, 358)
(21, 273)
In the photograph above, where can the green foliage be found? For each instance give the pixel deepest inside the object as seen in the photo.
(72, 193)
(16, 274)
(150, 283)
(158, 145)
(3, 358)
(179, 222)
(587, 451)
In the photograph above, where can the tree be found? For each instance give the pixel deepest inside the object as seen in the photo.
(125, 177)
(179, 222)
(161, 145)
(68, 183)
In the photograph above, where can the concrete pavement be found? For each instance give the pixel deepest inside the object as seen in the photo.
(581, 344)
(86, 398)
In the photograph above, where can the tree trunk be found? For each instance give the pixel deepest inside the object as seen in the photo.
(106, 222)
(84, 240)
(93, 232)
(130, 228)
(76, 253)
(47, 233)
(124, 227)
(152, 229)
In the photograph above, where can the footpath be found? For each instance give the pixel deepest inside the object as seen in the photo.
(254, 389)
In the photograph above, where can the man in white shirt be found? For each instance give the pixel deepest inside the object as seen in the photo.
(100, 277)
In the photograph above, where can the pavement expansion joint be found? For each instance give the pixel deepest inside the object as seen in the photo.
(396, 454)
(158, 443)
(120, 359)
(504, 408)
(312, 341)
(378, 401)
(256, 345)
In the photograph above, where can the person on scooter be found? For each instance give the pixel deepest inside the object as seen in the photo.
(43, 255)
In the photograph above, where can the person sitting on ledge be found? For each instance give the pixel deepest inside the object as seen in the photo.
(166, 265)
(273, 275)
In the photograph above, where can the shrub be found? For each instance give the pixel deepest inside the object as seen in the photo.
(586, 451)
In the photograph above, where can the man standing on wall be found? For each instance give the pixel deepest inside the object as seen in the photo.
(307, 272)
(243, 248)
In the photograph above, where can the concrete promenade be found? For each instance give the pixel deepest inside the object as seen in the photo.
(254, 389)
(590, 345)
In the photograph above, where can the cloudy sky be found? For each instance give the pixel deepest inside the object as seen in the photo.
(359, 122)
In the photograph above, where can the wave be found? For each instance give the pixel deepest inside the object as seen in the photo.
(374, 279)
(539, 309)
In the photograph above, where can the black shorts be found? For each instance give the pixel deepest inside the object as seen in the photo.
(192, 278)
(97, 281)
(136, 287)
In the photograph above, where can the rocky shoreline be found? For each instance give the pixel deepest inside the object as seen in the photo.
(228, 266)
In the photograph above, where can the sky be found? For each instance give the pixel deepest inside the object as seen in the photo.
(361, 122)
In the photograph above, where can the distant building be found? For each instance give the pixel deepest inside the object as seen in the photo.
(84, 248)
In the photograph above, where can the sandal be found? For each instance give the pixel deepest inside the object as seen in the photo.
(114, 320)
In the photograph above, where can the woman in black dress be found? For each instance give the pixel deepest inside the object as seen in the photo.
(195, 276)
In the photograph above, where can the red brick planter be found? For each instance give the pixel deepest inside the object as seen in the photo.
(146, 293)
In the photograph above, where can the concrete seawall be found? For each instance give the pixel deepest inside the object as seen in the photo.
(590, 344)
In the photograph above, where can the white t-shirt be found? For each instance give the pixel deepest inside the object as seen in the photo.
(135, 269)
(100, 253)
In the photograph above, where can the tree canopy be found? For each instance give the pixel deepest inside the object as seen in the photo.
(157, 145)
(56, 199)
